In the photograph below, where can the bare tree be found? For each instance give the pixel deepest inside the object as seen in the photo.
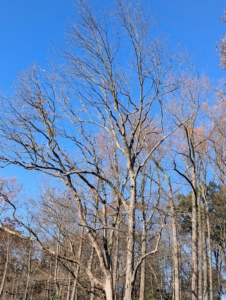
(89, 123)
(188, 103)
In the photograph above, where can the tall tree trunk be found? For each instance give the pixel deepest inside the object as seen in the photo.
(68, 287)
(56, 267)
(209, 258)
(130, 241)
(90, 268)
(177, 286)
(217, 259)
(194, 247)
(28, 273)
(115, 265)
(177, 291)
(200, 253)
(74, 288)
(129, 258)
(205, 271)
(143, 265)
(109, 288)
(209, 249)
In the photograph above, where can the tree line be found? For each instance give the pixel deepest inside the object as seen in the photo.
(133, 135)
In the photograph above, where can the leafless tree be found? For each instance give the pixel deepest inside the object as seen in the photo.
(94, 123)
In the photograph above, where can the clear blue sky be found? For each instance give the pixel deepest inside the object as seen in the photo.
(196, 25)
(27, 26)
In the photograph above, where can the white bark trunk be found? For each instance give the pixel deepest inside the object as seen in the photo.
(194, 249)
(205, 277)
(109, 288)
(143, 265)
(209, 259)
(130, 243)
(115, 266)
(200, 254)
